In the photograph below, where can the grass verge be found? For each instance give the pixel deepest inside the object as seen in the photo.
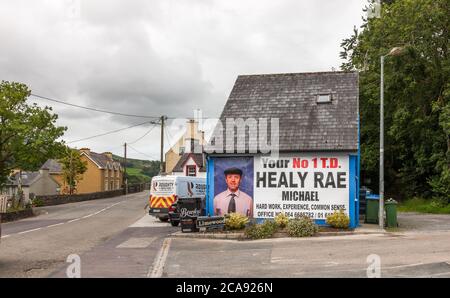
(424, 206)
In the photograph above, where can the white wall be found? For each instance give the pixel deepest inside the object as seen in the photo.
(190, 162)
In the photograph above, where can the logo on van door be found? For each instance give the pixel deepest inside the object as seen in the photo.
(189, 213)
(163, 186)
(190, 186)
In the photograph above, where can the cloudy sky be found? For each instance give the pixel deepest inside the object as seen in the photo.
(160, 57)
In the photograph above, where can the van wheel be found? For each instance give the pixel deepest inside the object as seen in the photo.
(164, 219)
(174, 223)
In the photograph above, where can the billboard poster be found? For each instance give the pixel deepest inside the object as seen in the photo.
(233, 186)
(309, 184)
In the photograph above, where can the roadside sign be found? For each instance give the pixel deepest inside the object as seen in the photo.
(206, 223)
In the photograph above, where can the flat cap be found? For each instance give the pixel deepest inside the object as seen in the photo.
(231, 171)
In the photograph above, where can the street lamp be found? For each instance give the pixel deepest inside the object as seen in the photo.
(393, 52)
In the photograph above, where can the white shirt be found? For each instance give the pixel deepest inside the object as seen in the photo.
(244, 203)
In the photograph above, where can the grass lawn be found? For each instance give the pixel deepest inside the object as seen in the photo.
(134, 171)
(424, 206)
(137, 173)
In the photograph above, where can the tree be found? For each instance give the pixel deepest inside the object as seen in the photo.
(417, 93)
(28, 133)
(152, 169)
(72, 168)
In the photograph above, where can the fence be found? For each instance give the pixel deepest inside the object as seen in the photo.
(132, 188)
(3, 203)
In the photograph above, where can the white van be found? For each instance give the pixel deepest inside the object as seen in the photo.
(166, 190)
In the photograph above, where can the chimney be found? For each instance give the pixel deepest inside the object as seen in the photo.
(44, 171)
(191, 132)
(203, 150)
(108, 154)
(85, 150)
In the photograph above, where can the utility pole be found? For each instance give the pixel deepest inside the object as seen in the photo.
(125, 168)
(161, 165)
(393, 52)
(71, 173)
(381, 210)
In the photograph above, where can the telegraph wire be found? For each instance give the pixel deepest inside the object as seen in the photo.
(140, 138)
(168, 136)
(105, 111)
(109, 132)
(152, 157)
(93, 109)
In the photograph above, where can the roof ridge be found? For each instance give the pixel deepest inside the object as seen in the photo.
(299, 73)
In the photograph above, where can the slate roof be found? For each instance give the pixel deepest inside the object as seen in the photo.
(304, 124)
(28, 178)
(102, 160)
(52, 165)
(197, 157)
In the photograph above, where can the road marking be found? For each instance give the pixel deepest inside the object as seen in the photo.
(137, 242)
(148, 221)
(160, 260)
(55, 225)
(24, 232)
(62, 223)
(405, 266)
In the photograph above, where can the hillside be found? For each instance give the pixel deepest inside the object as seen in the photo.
(138, 170)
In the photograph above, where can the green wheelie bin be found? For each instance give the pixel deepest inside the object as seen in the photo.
(390, 206)
(372, 208)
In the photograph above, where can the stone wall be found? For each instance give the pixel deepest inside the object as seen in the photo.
(16, 215)
(50, 200)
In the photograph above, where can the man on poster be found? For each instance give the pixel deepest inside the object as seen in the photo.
(233, 200)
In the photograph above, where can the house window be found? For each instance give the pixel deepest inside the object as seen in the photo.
(323, 98)
(191, 170)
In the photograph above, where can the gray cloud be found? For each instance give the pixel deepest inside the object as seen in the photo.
(160, 57)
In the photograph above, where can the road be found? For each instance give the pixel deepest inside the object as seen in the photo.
(39, 246)
(411, 255)
(116, 238)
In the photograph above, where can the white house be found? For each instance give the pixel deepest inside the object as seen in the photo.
(190, 164)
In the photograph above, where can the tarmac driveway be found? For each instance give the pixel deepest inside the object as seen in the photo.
(421, 222)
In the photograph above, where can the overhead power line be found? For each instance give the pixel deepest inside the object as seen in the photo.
(93, 109)
(140, 138)
(169, 138)
(152, 157)
(107, 111)
(109, 132)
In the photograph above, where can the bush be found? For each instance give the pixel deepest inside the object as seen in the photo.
(235, 221)
(438, 203)
(281, 220)
(302, 227)
(37, 202)
(338, 220)
(261, 231)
